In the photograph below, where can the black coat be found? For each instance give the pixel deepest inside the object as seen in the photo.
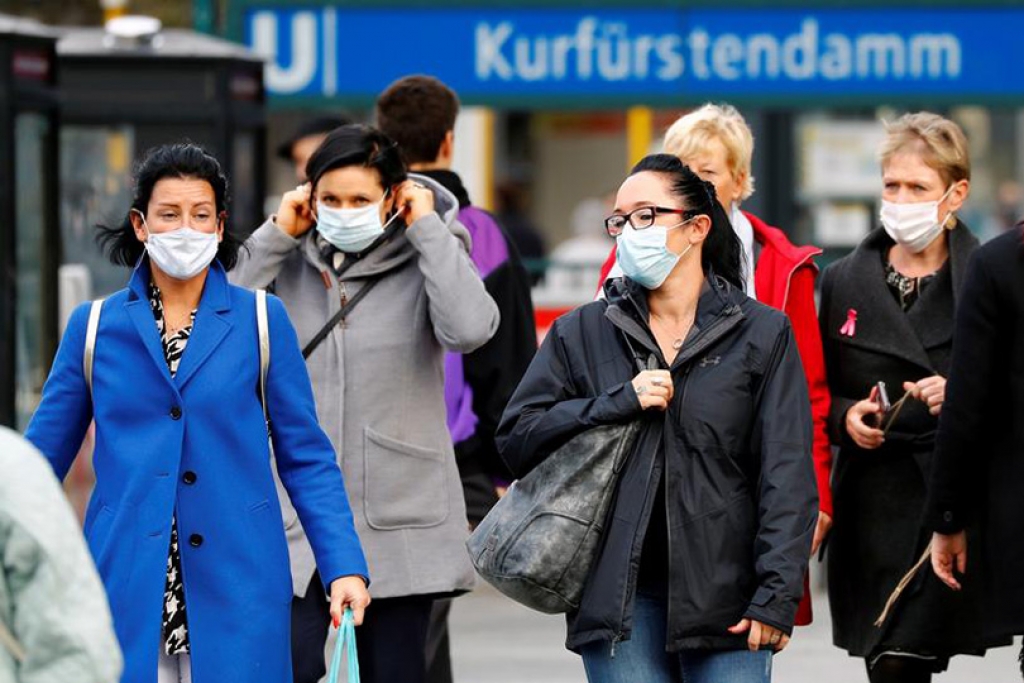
(879, 495)
(741, 499)
(979, 463)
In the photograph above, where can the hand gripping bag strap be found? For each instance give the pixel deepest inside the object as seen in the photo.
(346, 641)
(91, 330)
(263, 325)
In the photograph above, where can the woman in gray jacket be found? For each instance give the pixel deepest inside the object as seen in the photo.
(374, 271)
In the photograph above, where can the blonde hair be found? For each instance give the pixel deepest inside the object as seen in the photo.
(940, 143)
(690, 135)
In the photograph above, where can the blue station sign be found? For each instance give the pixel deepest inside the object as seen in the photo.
(542, 57)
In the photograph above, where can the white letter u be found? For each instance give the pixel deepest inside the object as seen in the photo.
(302, 65)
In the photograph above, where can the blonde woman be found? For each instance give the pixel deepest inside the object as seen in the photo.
(887, 314)
(716, 143)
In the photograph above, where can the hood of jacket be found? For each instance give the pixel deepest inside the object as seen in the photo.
(395, 251)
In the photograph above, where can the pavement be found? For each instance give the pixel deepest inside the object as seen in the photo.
(495, 640)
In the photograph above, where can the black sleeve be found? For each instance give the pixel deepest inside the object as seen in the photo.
(494, 370)
(975, 369)
(547, 409)
(787, 488)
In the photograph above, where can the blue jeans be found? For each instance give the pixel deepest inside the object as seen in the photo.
(642, 658)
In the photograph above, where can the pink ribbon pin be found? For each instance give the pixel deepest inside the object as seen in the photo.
(849, 328)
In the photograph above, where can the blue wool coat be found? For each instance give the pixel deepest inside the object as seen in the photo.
(196, 446)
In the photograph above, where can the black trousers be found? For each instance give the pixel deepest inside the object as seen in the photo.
(392, 641)
(439, 659)
(311, 620)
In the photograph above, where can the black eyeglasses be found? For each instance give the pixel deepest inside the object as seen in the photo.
(640, 219)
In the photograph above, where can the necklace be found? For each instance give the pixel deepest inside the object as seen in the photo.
(677, 340)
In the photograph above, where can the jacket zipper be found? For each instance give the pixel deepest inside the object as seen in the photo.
(668, 508)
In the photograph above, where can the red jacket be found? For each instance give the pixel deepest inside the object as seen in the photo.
(784, 279)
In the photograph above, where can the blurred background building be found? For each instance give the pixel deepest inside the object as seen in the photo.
(560, 97)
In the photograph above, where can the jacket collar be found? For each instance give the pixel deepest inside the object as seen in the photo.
(210, 328)
(719, 309)
(450, 181)
(778, 262)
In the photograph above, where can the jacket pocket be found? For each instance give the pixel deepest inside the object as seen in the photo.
(406, 486)
(268, 533)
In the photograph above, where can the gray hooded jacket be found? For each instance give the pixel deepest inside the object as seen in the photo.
(379, 385)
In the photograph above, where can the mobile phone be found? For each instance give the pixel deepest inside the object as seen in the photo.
(883, 398)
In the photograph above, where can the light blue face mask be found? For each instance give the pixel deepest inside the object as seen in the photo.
(644, 254)
(352, 230)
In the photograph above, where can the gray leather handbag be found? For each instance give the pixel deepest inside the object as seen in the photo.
(538, 543)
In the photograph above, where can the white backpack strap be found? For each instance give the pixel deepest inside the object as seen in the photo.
(90, 341)
(263, 325)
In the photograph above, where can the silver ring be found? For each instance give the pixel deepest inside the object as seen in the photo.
(641, 391)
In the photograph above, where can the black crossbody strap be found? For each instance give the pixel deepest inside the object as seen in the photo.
(338, 317)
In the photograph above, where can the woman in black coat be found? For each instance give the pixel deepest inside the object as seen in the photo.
(887, 316)
(979, 463)
(701, 565)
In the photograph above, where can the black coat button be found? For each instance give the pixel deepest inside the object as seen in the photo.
(189, 477)
(176, 413)
(195, 540)
(947, 516)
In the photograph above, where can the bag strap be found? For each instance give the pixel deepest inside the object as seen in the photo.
(339, 317)
(346, 641)
(8, 640)
(263, 325)
(91, 330)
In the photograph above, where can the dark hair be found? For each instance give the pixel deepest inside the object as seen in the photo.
(183, 160)
(357, 145)
(417, 112)
(318, 126)
(722, 252)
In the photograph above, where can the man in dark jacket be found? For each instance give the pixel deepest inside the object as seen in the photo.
(978, 473)
(418, 113)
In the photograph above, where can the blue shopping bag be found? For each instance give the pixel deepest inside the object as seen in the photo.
(346, 641)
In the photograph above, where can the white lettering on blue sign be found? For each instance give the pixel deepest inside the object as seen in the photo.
(607, 51)
(337, 51)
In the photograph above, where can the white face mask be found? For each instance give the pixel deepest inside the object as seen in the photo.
(351, 230)
(183, 253)
(913, 226)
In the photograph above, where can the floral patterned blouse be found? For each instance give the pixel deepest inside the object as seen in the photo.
(175, 622)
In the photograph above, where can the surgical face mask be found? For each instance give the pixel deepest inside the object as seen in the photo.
(644, 254)
(913, 226)
(182, 253)
(351, 230)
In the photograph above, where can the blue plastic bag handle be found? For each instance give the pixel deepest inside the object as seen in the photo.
(346, 641)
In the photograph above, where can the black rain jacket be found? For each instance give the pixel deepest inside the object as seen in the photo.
(734, 448)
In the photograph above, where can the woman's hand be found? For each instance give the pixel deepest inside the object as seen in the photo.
(414, 201)
(931, 391)
(761, 635)
(820, 532)
(949, 552)
(349, 591)
(295, 215)
(654, 389)
(863, 434)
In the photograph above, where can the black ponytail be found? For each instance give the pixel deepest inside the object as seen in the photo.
(722, 252)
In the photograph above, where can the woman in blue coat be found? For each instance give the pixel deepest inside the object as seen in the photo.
(184, 522)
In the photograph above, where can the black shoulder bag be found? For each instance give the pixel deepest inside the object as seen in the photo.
(537, 545)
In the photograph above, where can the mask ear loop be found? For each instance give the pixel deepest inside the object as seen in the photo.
(945, 221)
(145, 225)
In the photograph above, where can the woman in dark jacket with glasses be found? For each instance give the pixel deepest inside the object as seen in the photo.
(701, 567)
